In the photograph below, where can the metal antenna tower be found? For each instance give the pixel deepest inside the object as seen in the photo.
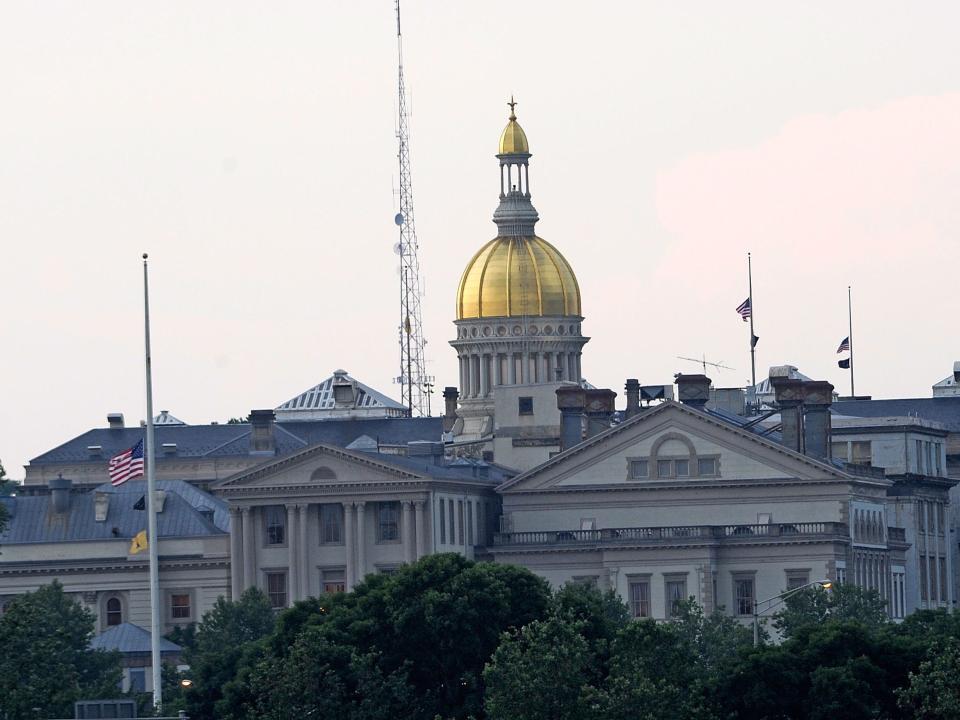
(413, 380)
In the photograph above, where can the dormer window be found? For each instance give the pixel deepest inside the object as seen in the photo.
(707, 467)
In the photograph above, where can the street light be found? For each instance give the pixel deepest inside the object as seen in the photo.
(825, 584)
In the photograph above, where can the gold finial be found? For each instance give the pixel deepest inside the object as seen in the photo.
(513, 115)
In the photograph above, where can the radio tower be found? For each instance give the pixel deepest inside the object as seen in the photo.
(414, 382)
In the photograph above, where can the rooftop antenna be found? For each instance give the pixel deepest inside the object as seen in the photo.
(704, 362)
(414, 383)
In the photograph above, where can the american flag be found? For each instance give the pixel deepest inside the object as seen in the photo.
(844, 346)
(127, 465)
(745, 309)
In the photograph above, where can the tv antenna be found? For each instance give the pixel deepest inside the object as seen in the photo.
(702, 361)
(412, 379)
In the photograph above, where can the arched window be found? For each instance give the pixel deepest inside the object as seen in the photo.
(114, 611)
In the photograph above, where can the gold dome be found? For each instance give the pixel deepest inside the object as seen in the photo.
(513, 139)
(516, 276)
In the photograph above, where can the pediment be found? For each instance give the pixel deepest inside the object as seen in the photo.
(667, 444)
(316, 466)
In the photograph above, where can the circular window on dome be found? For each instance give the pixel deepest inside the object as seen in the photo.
(487, 331)
(560, 330)
(548, 330)
(534, 330)
(501, 331)
(473, 332)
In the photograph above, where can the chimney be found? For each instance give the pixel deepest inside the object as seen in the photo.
(817, 397)
(788, 392)
(570, 401)
(101, 503)
(633, 397)
(956, 371)
(450, 397)
(115, 421)
(262, 440)
(60, 492)
(693, 390)
(599, 407)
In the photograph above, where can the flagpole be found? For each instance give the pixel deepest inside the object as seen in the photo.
(152, 540)
(850, 336)
(753, 358)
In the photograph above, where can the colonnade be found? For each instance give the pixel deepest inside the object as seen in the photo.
(481, 372)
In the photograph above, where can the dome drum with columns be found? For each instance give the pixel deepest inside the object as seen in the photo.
(518, 302)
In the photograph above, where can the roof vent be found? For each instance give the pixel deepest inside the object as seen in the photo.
(115, 421)
(169, 448)
(95, 451)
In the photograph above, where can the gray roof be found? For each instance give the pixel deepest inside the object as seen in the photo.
(34, 521)
(320, 397)
(945, 410)
(129, 639)
(207, 441)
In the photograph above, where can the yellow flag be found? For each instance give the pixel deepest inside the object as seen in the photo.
(139, 543)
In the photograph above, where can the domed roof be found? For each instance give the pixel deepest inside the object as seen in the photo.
(513, 139)
(517, 276)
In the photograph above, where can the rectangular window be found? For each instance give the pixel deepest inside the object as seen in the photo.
(919, 456)
(943, 579)
(929, 457)
(470, 522)
(841, 574)
(275, 521)
(936, 457)
(138, 680)
(797, 579)
(743, 595)
(664, 468)
(921, 516)
(682, 468)
(638, 469)
(452, 524)
(332, 581)
(180, 606)
(640, 598)
(588, 580)
(941, 518)
(839, 451)
(525, 405)
(707, 467)
(331, 524)
(277, 589)
(388, 522)
(923, 578)
(860, 452)
(443, 521)
(588, 523)
(460, 522)
(676, 592)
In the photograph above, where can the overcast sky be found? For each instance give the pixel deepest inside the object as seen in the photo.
(250, 149)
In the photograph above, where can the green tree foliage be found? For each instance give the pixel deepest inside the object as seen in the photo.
(815, 606)
(223, 638)
(46, 660)
(933, 692)
(602, 614)
(540, 672)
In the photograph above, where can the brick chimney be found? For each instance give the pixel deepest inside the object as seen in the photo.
(599, 407)
(693, 390)
(450, 397)
(262, 439)
(570, 401)
(817, 398)
(788, 392)
(632, 389)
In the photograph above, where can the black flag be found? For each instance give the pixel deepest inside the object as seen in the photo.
(754, 339)
(141, 504)
(845, 364)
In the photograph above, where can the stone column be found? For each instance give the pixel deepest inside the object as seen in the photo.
(421, 529)
(408, 531)
(236, 555)
(293, 555)
(361, 541)
(249, 548)
(497, 369)
(350, 540)
(474, 375)
(484, 375)
(303, 512)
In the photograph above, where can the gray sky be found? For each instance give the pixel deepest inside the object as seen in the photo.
(250, 148)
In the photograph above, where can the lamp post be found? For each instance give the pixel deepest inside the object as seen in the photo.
(825, 584)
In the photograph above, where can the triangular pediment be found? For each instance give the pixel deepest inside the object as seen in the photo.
(666, 444)
(316, 466)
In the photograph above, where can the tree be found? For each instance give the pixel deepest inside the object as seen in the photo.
(934, 689)
(224, 635)
(842, 602)
(47, 663)
(540, 672)
(602, 613)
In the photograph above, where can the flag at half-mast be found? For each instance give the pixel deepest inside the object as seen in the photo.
(844, 345)
(126, 465)
(745, 309)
